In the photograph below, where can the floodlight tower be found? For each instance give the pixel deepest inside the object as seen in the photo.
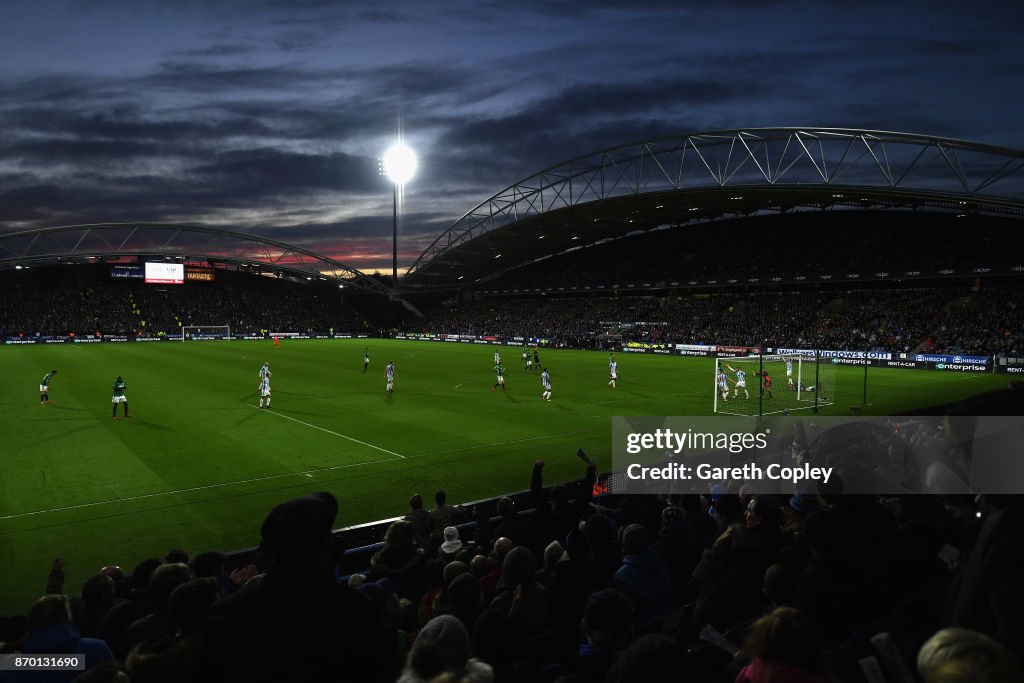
(399, 165)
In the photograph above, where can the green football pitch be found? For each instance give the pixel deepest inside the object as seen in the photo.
(198, 465)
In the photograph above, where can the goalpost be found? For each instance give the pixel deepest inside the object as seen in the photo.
(202, 332)
(799, 382)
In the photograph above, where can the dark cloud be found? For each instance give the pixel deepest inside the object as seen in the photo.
(269, 116)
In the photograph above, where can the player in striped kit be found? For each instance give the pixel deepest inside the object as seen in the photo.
(740, 383)
(265, 389)
(389, 374)
(545, 380)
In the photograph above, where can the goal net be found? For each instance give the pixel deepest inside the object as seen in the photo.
(771, 384)
(203, 332)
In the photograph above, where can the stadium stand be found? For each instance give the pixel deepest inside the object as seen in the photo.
(83, 300)
(954, 320)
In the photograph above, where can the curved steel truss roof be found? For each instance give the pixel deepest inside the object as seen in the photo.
(814, 164)
(50, 245)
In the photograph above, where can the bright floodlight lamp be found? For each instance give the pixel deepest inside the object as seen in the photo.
(399, 165)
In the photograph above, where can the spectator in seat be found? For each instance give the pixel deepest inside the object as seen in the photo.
(519, 594)
(401, 560)
(50, 631)
(421, 521)
(451, 546)
(299, 607)
(188, 603)
(644, 577)
(442, 651)
(98, 595)
(442, 516)
(960, 655)
(165, 579)
(608, 628)
(783, 646)
(139, 603)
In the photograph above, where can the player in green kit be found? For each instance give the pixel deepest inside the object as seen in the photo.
(44, 388)
(119, 397)
(499, 370)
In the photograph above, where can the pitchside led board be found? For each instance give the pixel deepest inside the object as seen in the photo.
(165, 273)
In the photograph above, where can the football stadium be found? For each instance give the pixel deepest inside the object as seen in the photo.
(294, 441)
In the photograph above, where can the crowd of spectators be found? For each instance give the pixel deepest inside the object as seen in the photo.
(248, 304)
(955, 321)
(681, 255)
(728, 586)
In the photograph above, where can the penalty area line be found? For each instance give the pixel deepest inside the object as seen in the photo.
(343, 436)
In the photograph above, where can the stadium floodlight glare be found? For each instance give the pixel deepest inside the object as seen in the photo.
(399, 163)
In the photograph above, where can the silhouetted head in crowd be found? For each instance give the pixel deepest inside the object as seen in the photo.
(728, 509)
(763, 512)
(599, 530)
(960, 655)
(117, 574)
(166, 578)
(49, 610)
(785, 635)
(635, 539)
(297, 533)
(451, 570)
(452, 543)
(502, 547)
(481, 566)
(822, 535)
(608, 620)
(463, 594)
(210, 563)
(399, 534)
(649, 658)
(506, 506)
(577, 547)
(176, 555)
(553, 554)
(142, 572)
(442, 646)
(672, 516)
(440, 497)
(160, 660)
(380, 593)
(780, 584)
(416, 502)
(188, 603)
(99, 592)
(518, 567)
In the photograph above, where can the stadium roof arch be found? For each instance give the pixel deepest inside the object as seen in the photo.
(82, 243)
(692, 179)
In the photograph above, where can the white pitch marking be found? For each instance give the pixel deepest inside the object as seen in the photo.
(363, 443)
(459, 385)
(188, 490)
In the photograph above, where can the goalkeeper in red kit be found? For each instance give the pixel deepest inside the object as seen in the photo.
(766, 383)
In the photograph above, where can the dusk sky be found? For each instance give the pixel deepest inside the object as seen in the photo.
(269, 117)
